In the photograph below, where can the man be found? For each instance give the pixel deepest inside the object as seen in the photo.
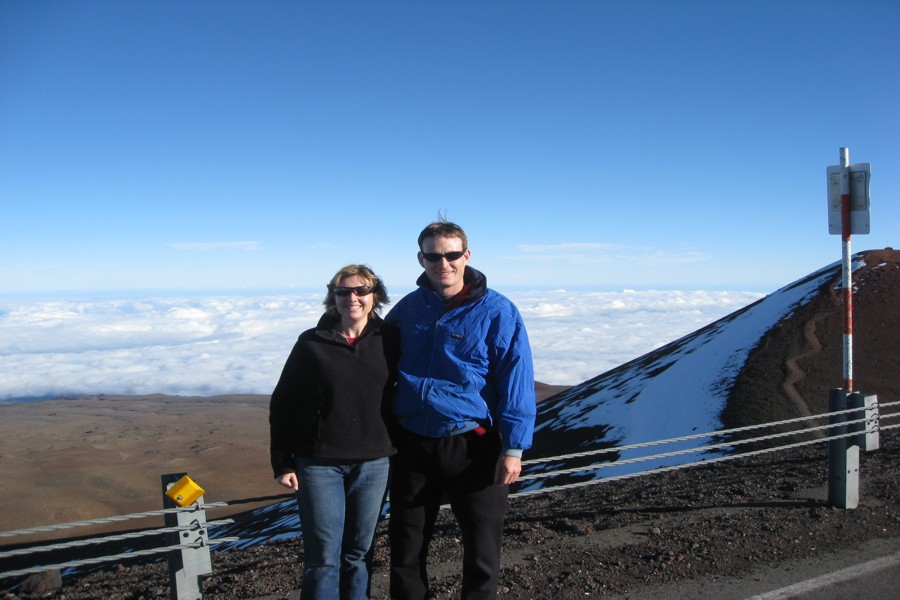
(465, 406)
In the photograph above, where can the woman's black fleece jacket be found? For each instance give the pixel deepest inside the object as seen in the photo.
(333, 398)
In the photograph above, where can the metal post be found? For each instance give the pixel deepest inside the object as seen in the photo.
(192, 560)
(847, 270)
(843, 456)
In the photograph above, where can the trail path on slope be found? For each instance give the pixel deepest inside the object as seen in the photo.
(795, 373)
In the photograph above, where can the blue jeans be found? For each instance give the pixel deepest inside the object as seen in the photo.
(339, 507)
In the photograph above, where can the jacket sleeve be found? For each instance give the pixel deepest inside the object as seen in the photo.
(514, 382)
(282, 415)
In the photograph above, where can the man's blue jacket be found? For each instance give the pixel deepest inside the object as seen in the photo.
(464, 365)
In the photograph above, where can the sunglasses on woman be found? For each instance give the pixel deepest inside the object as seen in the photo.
(360, 290)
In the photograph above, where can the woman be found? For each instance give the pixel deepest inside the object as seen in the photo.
(328, 422)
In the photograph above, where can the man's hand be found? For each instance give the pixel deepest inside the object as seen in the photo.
(508, 470)
(289, 480)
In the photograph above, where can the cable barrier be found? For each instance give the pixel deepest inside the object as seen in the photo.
(187, 544)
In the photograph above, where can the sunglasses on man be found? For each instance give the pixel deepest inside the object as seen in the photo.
(450, 256)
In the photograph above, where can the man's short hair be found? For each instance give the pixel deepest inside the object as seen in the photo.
(443, 229)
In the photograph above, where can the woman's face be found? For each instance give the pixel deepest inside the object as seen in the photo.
(353, 306)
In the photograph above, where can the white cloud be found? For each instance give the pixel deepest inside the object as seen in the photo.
(208, 246)
(578, 335)
(235, 344)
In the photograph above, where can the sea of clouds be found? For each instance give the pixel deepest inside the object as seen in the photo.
(211, 345)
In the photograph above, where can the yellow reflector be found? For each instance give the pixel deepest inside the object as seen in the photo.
(184, 492)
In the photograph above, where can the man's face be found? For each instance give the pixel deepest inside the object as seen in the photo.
(446, 276)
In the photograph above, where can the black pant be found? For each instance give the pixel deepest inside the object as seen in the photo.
(463, 467)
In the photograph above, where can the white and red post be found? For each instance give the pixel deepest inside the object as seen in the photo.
(848, 204)
(847, 285)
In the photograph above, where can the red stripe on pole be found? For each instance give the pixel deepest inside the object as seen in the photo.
(848, 311)
(847, 292)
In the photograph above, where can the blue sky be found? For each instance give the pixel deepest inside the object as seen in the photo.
(219, 145)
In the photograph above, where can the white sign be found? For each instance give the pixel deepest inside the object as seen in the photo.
(858, 176)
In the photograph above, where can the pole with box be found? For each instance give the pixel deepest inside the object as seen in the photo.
(848, 213)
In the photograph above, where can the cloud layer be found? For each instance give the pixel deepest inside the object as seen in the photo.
(238, 344)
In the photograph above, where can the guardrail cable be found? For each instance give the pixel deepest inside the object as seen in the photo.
(705, 461)
(114, 557)
(872, 424)
(195, 526)
(627, 461)
(693, 436)
(100, 521)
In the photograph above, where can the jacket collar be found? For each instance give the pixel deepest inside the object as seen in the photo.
(328, 326)
(474, 287)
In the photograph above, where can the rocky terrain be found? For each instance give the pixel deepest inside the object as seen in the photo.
(621, 538)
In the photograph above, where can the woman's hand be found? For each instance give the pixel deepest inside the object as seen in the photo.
(289, 480)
